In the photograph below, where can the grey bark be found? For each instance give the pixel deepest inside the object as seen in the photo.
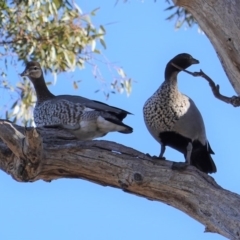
(44, 153)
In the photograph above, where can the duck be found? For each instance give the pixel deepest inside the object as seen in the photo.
(86, 119)
(173, 119)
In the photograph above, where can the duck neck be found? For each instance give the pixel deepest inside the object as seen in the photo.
(171, 73)
(170, 82)
(41, 89)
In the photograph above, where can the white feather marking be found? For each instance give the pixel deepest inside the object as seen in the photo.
(88, 126)
(86, 109)
(107, 126)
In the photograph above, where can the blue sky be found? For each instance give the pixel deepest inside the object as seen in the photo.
(142, 42)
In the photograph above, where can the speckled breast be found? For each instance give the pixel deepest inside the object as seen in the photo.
(164, 108)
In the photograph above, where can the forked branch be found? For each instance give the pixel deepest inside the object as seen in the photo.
(234, 100)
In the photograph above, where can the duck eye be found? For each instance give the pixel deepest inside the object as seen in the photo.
(35, 68)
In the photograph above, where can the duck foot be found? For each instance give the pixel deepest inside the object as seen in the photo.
(155, 157)
(179, 166)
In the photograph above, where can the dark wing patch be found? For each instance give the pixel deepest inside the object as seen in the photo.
(201, 154)
(201, 157)
(175, 140)
(118, 112)
(118, 122)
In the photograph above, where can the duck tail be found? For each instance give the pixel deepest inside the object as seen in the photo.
(201, 158)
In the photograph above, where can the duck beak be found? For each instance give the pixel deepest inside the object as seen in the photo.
(24, 73)
(195, 61)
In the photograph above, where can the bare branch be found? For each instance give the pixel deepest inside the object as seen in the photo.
(60, 155)
(234, 100)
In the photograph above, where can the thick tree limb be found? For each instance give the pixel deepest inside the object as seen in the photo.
(219, 19)
(48, 154)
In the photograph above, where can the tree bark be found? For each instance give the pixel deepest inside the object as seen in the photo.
(32, 154)
(220, 20)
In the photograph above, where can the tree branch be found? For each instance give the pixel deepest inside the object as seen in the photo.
(221, 23)
(48, 154)
(234, 100)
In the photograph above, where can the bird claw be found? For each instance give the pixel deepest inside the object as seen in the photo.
(179, 166)
(155, 157)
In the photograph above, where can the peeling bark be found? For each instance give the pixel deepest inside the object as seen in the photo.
(32, 154)
(220, 20)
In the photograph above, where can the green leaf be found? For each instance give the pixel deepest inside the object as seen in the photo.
(75, 85)
(102, 29)
(170, 8)
(97, 51)
(121, 72)
(103, 43)
(93, 47)
(93, 12)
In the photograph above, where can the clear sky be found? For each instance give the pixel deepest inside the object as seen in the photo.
(142, 42)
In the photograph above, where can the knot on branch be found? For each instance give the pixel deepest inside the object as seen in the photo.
(235, 101)
(138, 178)
(32, 146)
(123, 184)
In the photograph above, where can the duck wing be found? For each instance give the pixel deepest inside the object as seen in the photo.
(96, 105)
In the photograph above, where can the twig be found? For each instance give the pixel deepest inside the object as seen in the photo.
(234, 100)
